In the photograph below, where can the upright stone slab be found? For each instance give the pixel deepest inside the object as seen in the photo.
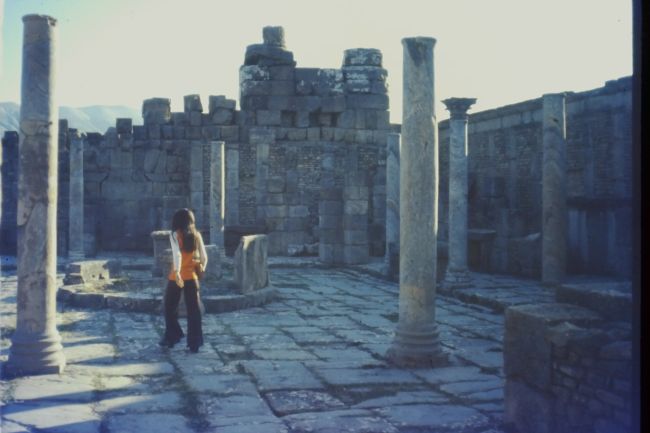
(213, 270)
(457, 274)
(231, 210)
(250, 266)
(355, 218)
(416, 339)
(217, 196)
(76, 189)
(161, 242)
(261, 140)
(392, 206)
(36, 343)
(196, 182)
(554, 210)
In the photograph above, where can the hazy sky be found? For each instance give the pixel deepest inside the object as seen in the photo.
(119, 52)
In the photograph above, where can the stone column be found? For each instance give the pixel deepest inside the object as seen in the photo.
(217, 196)
(392, 206)
(416, 337)
(76, 205)
(554, 211)
(36, 343)
(456, 274)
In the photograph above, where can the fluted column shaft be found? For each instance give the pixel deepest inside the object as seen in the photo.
(36, 343)
(392, 205)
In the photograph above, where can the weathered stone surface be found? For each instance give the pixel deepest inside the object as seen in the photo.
(416, 337)
(156, 111)
(343, 421)
(250, 263)
(362, 57)
(287, 402)
(273, 375)
(55, 418)
(89, 271)
(213, 269)
(161, 243)
(443, 417)
(148, 423)
(36, 343)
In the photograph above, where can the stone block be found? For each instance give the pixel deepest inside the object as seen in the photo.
(156, 111)
(298, 211)
(347, 119)
(355, 254)
(333, 104)
(90, 271)
(192, 103)
(355, 207)
(296, 224)
(258, 102)
(195, 118)
(161, 242)
(230, 133)
(330, 207)
(123, 125)
(330, 253)
(362, 57)
(255, 88)
(329, 82)
(355, 222)
(167, 132)
(250, 263)
(268, 55)
(213, 268)
(276, 211)
(211, 132)
(528, 409)
(367, 101)
(269, 117)
(284, 72)
(220, 102)
(302, 119)
(221, 116)
(369, 73)
(313, 134)
(282, 87)
(140, 132)
(154, 132)
(355, 237)
(297, 134)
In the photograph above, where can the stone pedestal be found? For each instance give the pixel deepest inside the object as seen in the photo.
(391, 258)
(457, 274)
(251, 272)
(213, 270)
(161, 242)
(217, 196)
(36, 343)
(554, 210)
(76, 208)
(416, 337)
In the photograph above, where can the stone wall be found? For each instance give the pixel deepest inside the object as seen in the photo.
(569, 365)
(505, 157)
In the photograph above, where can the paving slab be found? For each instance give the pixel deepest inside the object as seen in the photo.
(148, 423)
(403, 398)
(53, 417)
(222, 384)
(271, 375)
(440, 417)
(169, 402)
(72, 388)
(287, 402)
(359, 376)
(343, 421)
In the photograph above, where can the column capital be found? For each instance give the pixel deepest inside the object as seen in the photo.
(458, 107)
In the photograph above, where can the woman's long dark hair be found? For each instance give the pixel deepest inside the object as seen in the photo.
(183, 220)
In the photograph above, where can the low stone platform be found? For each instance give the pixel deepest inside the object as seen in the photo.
(136, 291)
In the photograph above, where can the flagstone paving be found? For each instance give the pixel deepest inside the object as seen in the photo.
(312, 361)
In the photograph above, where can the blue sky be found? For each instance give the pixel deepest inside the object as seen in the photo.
(119, 52)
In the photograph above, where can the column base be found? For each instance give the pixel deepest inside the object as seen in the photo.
(422, 348)
(456, 279)
(33, 354)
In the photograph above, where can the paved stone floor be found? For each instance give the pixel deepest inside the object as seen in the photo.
(313, 361)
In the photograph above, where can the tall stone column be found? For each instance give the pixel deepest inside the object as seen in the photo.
(554, 211)
(416, 337)
(76, 206)
(36, 344)
(217, 196)
(232, 184)
(457, 274)
(392, 206)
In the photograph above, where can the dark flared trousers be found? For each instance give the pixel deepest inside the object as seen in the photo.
(173, 331)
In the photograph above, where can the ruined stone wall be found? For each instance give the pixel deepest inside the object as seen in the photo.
(291, 118)
(505, 161)
(568, 365)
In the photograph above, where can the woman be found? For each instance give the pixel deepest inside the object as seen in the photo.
(186, 241)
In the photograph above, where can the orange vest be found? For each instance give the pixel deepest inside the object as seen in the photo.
(187, 262)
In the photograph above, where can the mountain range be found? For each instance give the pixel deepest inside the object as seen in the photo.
(96, 118)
